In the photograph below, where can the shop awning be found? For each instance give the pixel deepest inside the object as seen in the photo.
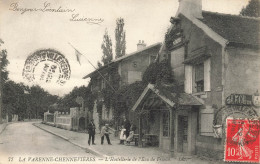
(151, 95)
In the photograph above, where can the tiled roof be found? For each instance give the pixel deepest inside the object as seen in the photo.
(125, 57)
(236, 29)
(168, 96)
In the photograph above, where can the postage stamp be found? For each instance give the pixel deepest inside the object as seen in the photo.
(242, 140)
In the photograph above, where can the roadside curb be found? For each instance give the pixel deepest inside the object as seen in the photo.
(76, 144)
(5, 125)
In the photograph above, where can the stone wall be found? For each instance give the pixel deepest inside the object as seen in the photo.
(64, 122)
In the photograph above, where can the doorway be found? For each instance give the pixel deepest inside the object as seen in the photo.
(182, 134)
(82, 123)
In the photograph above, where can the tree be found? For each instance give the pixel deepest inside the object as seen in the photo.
(3, 75)
(40, 100)
(252, 9)
(14, 101)
(120, 38)
(4, 62)
(99, 64)
(69, 100)
(106, 46)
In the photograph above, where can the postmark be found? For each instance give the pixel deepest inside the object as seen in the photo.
(47, 66)
(242, 140)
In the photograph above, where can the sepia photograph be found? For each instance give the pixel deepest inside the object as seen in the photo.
(129, 81)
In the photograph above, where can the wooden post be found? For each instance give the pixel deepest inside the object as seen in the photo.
(172, 131)
(140, 131)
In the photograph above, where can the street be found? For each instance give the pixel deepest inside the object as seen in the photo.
(25, 140)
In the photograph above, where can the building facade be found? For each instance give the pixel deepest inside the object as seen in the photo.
(215, 59)
(120, 72)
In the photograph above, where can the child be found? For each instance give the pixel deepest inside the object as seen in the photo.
(131, 135)
(122, 135)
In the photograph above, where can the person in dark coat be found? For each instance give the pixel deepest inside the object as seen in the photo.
(91, 132)
(127, 126)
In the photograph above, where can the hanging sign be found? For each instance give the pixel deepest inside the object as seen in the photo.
(239, 99)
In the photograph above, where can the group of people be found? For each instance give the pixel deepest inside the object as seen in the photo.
(127, 133)
(92, 131)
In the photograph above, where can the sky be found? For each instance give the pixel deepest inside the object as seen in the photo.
(25, 33)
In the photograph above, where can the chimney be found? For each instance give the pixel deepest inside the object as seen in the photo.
(140, 45)
(191, 8)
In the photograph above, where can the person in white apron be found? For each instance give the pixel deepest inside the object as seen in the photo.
(122, 135)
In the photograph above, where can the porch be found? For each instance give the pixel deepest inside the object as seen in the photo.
(169, 117)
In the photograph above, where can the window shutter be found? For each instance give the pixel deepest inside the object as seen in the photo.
(206, 121)
(207, 75)
(188, 79)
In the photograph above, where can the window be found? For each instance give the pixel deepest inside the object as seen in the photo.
(165, 124)
(199, 77)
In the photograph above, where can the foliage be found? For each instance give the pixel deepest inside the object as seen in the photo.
(172, 34)
(4, 62)
(14, 100)
(26, 102)
(40, 100)
(252, 9)
(69, 100)
(99, 107)
(120, 38)
(158, 73)
(107, 49)
(99, 64)
(126, 96)
(123, 99)
(107, 94)
(111, 123)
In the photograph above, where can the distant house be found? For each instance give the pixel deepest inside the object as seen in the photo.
(215, 59)
(119, 72)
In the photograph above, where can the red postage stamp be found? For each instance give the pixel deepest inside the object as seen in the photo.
(242, 140)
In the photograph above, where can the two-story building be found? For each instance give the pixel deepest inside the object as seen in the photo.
(119, 72)
(215, 59)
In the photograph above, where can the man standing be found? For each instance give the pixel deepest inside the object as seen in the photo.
(105, 132)
(91, 132)
(127, 126)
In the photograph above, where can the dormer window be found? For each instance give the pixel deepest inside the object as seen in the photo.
(197, 71)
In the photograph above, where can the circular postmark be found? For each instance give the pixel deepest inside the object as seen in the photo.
(47, 65)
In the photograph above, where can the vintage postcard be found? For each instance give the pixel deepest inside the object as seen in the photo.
(129, 81)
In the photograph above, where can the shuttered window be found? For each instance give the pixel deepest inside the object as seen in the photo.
(207, 75)
(188, 79)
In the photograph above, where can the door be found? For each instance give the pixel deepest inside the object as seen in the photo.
(182, 134)
(82, 123)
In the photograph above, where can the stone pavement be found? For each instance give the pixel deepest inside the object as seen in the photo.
(116, 151)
